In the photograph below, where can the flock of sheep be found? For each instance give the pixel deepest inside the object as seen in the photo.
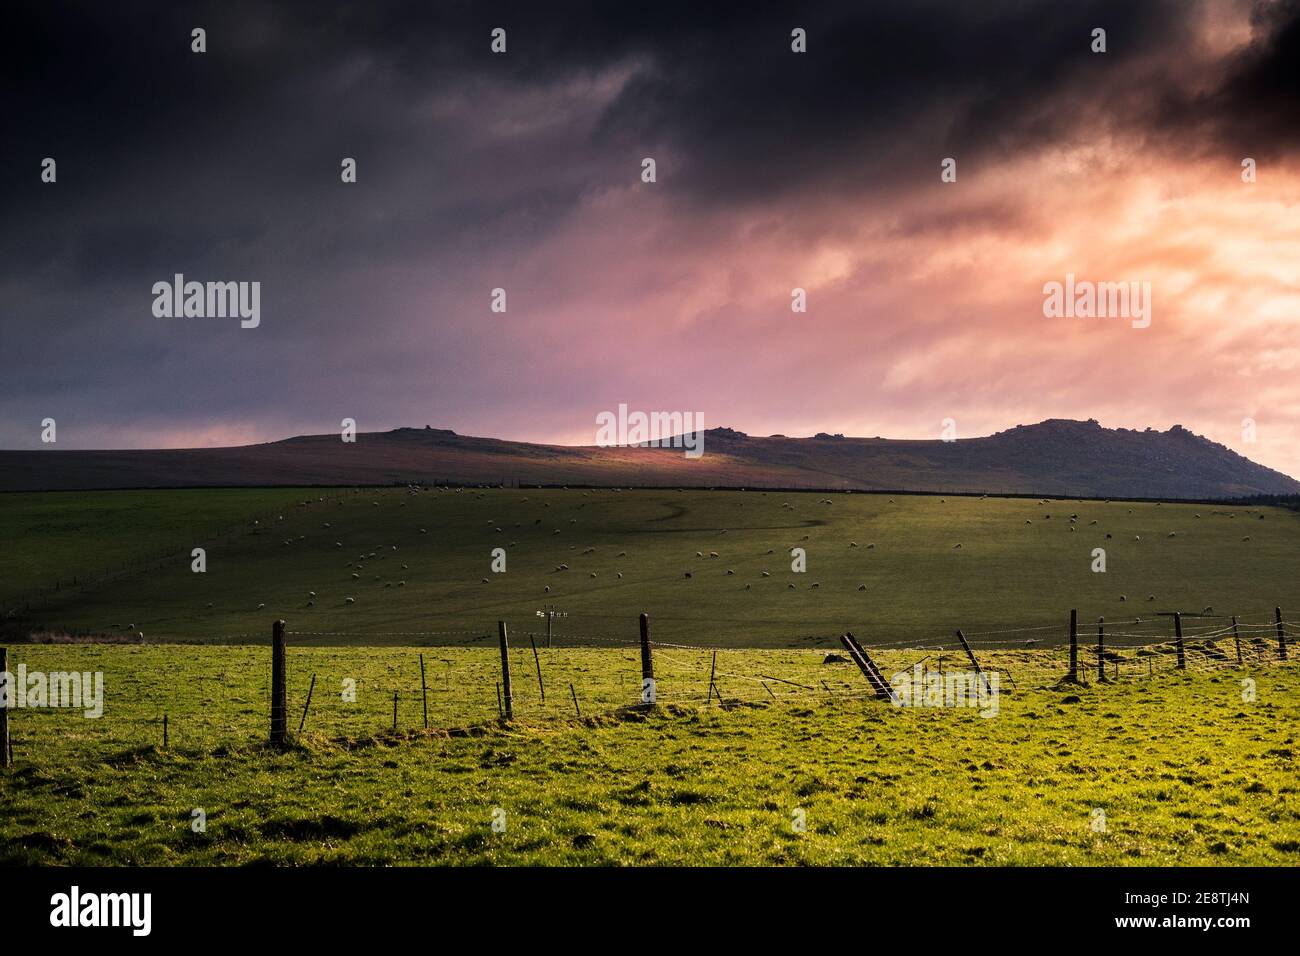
(359, 566)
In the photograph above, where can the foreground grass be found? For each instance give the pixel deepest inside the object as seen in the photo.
(1185, 771)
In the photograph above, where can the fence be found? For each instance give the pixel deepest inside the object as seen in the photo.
(468, 683)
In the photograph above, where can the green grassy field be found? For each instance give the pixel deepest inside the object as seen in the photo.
(1184, 771)
(418, 566)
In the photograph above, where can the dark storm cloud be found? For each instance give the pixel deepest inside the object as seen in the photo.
(225, 165)
(1253, 105)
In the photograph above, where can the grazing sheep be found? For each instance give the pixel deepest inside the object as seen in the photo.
(699, 554)
(688, 574)
(591, 574)
(713, 554)
(389, 584)
(862, 587)
(338, 544)
(619, 574)
(870, 545)
(1172, 534)
(311, 603)
(957, 547)
(588, 550)
(770, 551)
(423, 531)
(853, 544)
(729, 571)
(260, 606)
(767, 574)
(1027, 521)
(1151, 597)
(349, 601)
(562, 567)
(1108, 536)
(1195, 516)
(1123, 597)
(1094, 521)
(405, 568)
(622, 554)
(747, 587)
(355, 576)
(547, 588)
(816, 584)
(311, 594)
(1247, 538)
(1207, 610)
(401, 584)
(1137, 537)
(789, 587)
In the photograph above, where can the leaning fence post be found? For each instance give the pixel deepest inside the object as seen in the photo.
(976, 664)
(1236, 639)
(5, 691)
(279, 694)
(1074, 645)
(424, 694)
(505, 671)
(1178, 636)
(1281, 634)
(303, 722)
(575, 699)
(647, 664)
(1101, 649)
(538, 661)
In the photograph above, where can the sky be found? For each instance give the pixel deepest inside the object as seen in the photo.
(774, 170)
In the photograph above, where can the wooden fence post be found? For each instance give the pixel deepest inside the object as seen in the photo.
(1281, 634)
(647, 664)
(976, 664)
(538, 661)
(575, 699)
(279, 693)
(713, 669)
(303, 722)
(164, 731)
(394, 711)
(424, 694)
(505, 671)
(1074, 645)
(1178, 636)
(1101, 649)
(5, 690)
(1236, 639)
